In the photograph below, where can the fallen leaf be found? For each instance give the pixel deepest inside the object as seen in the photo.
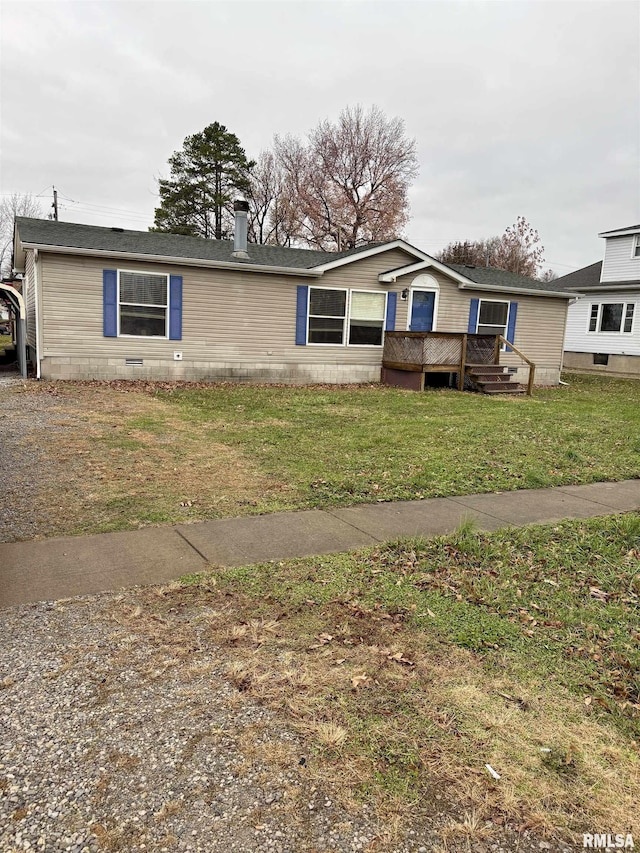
(399, 657)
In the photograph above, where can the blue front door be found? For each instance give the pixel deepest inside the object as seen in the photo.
(422, 305)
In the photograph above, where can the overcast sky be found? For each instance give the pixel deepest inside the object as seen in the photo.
(517, 108)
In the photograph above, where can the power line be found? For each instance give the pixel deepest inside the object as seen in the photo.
(104, 207)
(101, 214)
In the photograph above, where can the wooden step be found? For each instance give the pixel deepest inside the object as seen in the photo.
(508, 391)
(489, 385)
(486, 368)
(490, 377)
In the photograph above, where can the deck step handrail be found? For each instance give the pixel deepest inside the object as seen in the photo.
(532, 367)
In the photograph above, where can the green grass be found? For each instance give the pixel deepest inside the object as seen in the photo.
(562, 602)
(339, 446)
(139, 453)
(5, 341)
(519, 648)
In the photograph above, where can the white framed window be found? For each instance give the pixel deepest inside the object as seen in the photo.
(493, 317)
(366, 318)
(337, 316)
(326, 315)
(635, 253)
(616, 317)
(143, 302)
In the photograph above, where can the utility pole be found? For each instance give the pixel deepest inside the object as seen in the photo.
(55, 204)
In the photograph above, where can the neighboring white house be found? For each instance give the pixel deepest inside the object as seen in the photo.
(603, 325)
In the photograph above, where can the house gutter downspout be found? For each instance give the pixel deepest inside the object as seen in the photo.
(36, 258)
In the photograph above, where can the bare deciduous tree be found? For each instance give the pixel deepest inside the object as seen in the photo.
(348, 184)
(548, 275)
(10, 207)
(271, 207)
(517, 250)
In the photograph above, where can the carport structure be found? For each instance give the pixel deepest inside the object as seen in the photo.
(15, 302)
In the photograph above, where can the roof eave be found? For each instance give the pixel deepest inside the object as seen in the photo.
(169, 259)
(424, 263)
(368, 253)
(620, 232)
(474, 285)
(603, 286)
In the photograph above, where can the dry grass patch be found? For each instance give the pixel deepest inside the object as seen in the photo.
(112, 458)
(414, 719)
(396, 715)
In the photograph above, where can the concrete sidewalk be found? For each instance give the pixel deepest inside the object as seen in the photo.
(48, 569)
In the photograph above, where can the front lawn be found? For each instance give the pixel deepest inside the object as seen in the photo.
(410, 667)
(120, 455)
(335, 447)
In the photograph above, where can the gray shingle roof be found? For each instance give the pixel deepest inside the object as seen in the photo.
(71, 235)
(586, 277)
(501, 278)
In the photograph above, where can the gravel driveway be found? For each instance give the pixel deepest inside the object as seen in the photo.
(122, 738)
(30, 422)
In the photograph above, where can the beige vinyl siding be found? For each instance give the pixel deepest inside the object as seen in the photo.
(30, 297)
(540, 320)
(227, 316)
(619, 265)
(242, 324)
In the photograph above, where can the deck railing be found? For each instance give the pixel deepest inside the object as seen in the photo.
(426, 352)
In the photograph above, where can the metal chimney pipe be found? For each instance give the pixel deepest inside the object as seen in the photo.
(240, 209)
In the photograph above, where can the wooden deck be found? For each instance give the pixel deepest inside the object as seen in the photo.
(408, 356)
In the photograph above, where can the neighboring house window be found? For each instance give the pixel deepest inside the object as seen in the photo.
(143, 304)
(493, 318)
(636, 246)
(354, 317)
(611, 317)
(366, 318)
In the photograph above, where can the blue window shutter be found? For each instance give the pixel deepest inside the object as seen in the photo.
(390, 324)
(474, 307)
(511, 323)
(110, 303)
(175, 307)
(301, 315)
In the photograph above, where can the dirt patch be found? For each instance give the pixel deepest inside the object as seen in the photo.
(81, 458)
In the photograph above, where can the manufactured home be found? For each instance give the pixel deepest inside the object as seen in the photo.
(108, 303)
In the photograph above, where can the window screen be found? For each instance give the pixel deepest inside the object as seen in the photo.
(327, 303)
(492, 318)
(138, 289)
(628, 317)
(327, 312)
(143, 305)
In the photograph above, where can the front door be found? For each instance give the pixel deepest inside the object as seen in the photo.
(422, 305)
